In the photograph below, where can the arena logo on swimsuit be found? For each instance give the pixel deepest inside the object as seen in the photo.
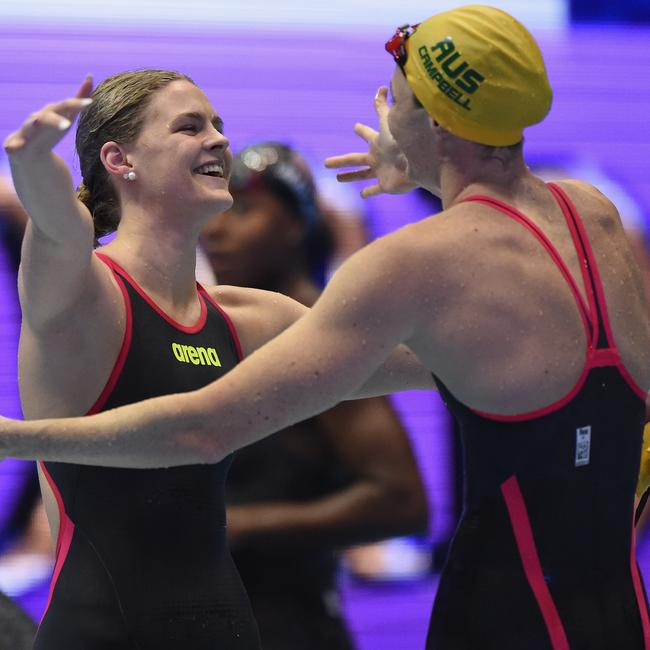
(196, 355)
(466, 78)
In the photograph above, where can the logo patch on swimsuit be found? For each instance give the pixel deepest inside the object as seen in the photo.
(197, 356)
(583, 445)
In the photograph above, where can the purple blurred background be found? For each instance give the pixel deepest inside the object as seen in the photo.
(305, 77)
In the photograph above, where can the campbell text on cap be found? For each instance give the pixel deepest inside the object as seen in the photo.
(479, 73)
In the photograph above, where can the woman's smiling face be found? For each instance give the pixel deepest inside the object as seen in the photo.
(181, 155)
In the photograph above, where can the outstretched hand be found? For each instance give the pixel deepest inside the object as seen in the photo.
(45, 128)
(384, 161)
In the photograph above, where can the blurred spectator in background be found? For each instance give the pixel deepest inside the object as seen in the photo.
(13, 220)
(27, 556)
(17, 630)
(343, 477)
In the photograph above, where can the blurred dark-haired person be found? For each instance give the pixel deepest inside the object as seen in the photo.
(17, 630)
(343, 477)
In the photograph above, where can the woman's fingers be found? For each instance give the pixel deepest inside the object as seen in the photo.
(69, 108)
(356, 175)
(39, 126)
(86, 87)
(365, 131)
(42, 130)
(346, 160)
(367, 161)
(381, 102)
(46, 127)
(371, 190)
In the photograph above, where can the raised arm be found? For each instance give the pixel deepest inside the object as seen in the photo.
(72, 313)
(59, 237)
(369, 307)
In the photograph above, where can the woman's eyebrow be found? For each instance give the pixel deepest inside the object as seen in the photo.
(190, 114)
(216, 121)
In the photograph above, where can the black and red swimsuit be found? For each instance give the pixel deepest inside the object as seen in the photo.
(543, 558)
(142, 559)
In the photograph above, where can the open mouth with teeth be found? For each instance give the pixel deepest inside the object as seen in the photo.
(210, 169)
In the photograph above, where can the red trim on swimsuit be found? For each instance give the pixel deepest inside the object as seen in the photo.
(231, 325)
(188, 329)
(124, 349)
(568, 207)
(64, 537)
(595, 295)
(532, 566)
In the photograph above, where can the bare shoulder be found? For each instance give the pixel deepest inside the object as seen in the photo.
(257, 315)
(409, 270)
(590, 201)
(267, 302)
(440, 243)
(232, 297)
(575, 187)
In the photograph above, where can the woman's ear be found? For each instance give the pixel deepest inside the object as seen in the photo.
(114, 159)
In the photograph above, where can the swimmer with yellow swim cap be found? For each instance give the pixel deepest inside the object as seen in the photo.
(477, 71)
(539, 348)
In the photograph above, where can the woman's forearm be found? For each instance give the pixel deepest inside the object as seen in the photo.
(159, 432)
(44, 186)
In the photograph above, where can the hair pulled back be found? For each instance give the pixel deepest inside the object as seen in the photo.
(114, 116)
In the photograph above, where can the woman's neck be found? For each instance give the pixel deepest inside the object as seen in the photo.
(161, 260)
(469, 174)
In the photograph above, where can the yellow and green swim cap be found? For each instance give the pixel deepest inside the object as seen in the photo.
(478, 72)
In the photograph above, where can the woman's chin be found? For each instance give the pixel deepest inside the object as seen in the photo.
(221, 199)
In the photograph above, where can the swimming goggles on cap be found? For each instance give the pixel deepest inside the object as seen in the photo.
(396, 46)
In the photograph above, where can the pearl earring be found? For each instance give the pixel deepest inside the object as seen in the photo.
(129, 176)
